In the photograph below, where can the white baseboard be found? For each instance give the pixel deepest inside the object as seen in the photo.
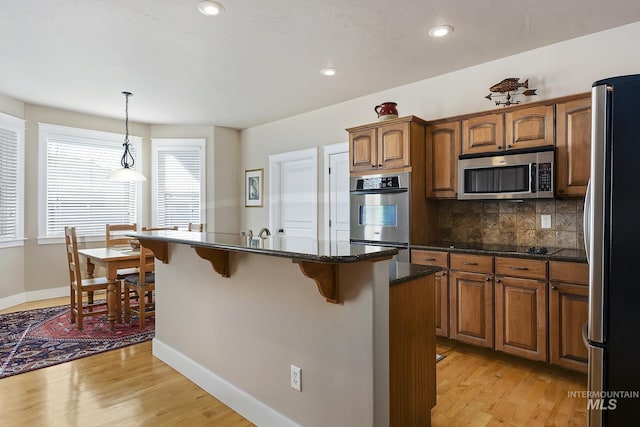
(237, 399)
(29, 296)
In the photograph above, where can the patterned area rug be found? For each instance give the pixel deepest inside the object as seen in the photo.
(44, 337)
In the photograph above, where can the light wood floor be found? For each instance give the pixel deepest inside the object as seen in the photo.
(130, 387)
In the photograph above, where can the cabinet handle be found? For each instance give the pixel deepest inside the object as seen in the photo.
(509, 146)
(554, 288)
(499, 147)
(488, 279)
(444, 273)
(429, 259)
(560, 190)
(497, 280)
(519, 268)
(469, 263)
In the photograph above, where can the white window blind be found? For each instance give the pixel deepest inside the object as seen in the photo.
(178, 181)
(11, 180)
(77, 191)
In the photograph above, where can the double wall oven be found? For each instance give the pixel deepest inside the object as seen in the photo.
(380, 211)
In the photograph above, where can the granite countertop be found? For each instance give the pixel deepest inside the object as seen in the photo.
(400, 272)
(281, 246)
(553, 254)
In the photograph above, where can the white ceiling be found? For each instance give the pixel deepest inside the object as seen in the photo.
(260, 60)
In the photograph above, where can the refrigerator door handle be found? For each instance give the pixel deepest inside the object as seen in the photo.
(586, 223)
(597, 209)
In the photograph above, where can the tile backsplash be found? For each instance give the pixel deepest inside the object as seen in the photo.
(511, 222)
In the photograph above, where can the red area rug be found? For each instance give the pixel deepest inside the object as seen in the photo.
(44, 337)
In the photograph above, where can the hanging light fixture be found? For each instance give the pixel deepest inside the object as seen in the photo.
(127, 173)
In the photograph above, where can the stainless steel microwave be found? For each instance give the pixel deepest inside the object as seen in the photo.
(511, 175)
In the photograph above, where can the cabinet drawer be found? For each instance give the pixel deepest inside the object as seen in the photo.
(437, 258)
(571, 272)
(472, 263)
(520, 267)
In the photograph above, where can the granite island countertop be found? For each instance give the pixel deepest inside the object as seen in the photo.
(400, 272)
(494, 249)
(281, 246)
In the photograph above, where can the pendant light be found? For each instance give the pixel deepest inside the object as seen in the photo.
(127, 173)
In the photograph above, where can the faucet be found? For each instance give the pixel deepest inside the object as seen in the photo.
(264, 230)
(250, 234)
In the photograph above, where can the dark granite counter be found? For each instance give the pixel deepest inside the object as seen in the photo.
(400, 272)
(493, 249)
(287, 247)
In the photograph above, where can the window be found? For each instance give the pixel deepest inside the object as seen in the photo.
(178, 182)
(11, 181)
(74, 189)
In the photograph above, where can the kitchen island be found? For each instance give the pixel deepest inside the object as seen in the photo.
(233, 314)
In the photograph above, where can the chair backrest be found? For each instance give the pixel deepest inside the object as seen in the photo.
(114, 236)
(147, 263)
(196, 227)
(75, 273)
(159, 228)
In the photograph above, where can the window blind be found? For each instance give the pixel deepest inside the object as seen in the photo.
(178, 182)
(78, 192)
(10, 183)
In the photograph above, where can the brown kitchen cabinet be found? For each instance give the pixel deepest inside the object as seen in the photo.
(529, 127)
(390, 144)
(471, 299)
(521, 307)
(483, 133)
(443, 149)
(568, 312)
(438, 259)
(573, 147)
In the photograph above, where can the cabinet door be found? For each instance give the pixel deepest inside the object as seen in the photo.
(529, 127)
(471, 308)
(362, 150)
(568, 312)
(573, 147)
(483, 134)
(393, 146)
(521, 317)
(443, 149)
(439, 259)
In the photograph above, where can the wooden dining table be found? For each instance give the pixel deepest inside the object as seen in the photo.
(112, 259)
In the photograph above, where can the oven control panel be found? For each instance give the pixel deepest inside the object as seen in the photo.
(377, 183)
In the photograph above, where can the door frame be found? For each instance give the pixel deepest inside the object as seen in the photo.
(275, 165)
(327, 151)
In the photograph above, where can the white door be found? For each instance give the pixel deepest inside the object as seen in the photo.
(339, 197)
(293, 193)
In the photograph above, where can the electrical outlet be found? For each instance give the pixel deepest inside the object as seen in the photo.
(296, 378)
(545, 221)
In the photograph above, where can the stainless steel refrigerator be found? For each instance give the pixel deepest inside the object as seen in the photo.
(612, 240)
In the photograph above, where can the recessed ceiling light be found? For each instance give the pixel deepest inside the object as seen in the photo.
(328, 72)
(210, 8)
(441, 31)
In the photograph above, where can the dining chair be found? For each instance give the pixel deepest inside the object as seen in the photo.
(141, 284)
(159, 228)
(114, 234)
(79, 286)
(196, 227)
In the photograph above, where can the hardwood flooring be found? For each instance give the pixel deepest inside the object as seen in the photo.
(481, 387)
(130, 387)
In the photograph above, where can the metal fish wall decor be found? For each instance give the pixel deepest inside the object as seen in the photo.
(507, 89)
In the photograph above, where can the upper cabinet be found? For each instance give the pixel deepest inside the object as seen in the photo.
(386, 145)
(443, 149)
(517, 128)
(573, 147)
(483, 134)
(529, 127)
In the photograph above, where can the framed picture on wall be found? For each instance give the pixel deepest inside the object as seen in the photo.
(253, 187)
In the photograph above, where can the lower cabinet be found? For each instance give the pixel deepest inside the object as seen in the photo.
(471, 299)
(568, 312)
(521, 307)
(521, 317)
(438, 259)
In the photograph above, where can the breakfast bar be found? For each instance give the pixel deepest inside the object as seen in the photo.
(236, 315)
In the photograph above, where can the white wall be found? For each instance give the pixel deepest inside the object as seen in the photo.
(561, 69)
